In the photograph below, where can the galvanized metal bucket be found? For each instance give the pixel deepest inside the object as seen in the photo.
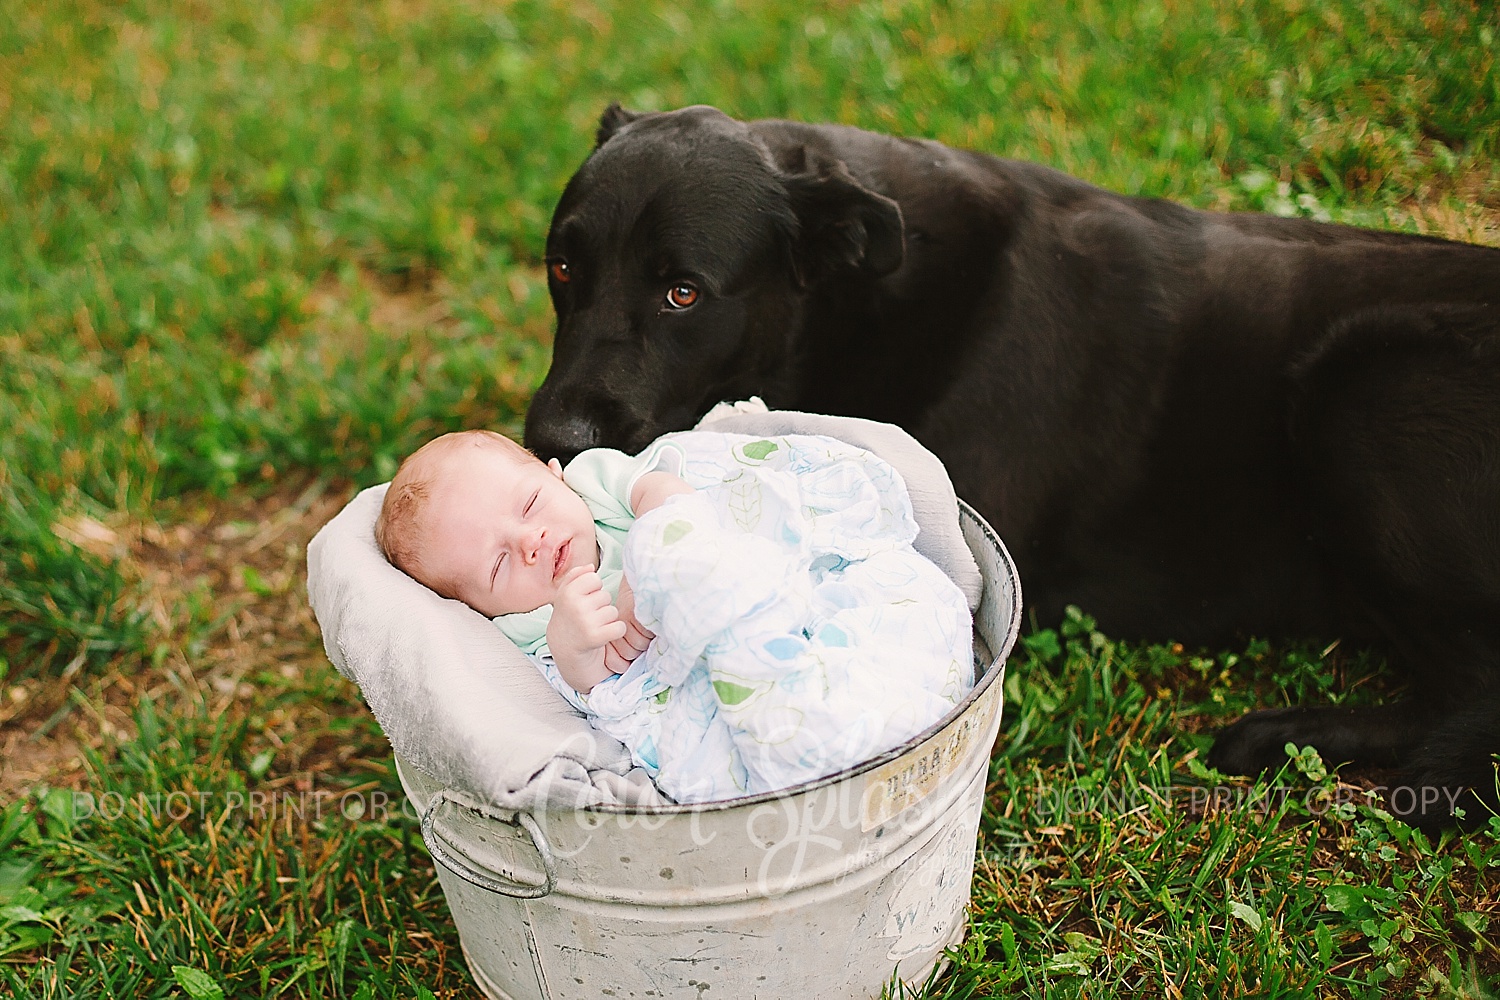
(827, 889)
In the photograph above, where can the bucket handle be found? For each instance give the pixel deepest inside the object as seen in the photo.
(465, 869)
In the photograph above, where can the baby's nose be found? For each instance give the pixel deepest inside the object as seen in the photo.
(532, 547)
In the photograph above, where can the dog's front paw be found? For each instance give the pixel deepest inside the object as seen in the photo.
(1257, 741)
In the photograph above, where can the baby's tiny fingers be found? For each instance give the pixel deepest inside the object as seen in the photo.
(583, 581)
(613, 661)
(573, 574)
(638, 637)
(625, 649)
(595, 620)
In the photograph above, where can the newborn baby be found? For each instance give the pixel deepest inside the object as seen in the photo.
(743, 613)
(479, 519)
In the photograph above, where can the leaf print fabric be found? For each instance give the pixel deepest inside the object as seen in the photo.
(798, 631)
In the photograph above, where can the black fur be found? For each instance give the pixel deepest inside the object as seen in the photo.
(1196, 426)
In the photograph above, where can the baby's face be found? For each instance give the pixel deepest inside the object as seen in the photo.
(503, 530)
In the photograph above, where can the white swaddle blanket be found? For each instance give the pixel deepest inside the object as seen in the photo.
(798, 632)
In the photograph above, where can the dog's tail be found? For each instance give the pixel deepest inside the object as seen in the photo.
(1455, 767)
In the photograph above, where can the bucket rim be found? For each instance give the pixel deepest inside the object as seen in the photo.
(991, 676)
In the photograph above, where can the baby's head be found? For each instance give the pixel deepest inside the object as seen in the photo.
(476, 517)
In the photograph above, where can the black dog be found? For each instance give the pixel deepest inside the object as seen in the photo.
(1196, 426)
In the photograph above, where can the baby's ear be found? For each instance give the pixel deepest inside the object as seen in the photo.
(555, 466)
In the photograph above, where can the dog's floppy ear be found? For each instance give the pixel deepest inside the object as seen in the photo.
(842, 225)
(613, 119)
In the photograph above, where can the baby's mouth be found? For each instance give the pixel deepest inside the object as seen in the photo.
(561, 559)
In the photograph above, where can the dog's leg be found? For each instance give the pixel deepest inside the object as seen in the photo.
(1397, 424)
(1454, 766)
(1445, 756)
(1384, 735)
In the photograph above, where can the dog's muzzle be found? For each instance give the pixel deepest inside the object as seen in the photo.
(561, 436)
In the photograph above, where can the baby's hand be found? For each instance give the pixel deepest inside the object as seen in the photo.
(623, 651)
(583, 624)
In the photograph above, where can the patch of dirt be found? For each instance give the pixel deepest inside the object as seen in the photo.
(27, 760)
(398, 303)
(1471, 215)
(224, 580)
(1471, 222)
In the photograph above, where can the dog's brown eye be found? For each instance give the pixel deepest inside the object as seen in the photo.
(559, 269)
(682, 295)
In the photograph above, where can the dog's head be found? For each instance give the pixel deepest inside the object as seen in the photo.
(679, 259)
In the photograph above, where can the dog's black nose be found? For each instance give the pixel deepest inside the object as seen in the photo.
(561, 437)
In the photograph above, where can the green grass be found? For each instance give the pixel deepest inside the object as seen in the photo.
(1115, 862)
(247, 250)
